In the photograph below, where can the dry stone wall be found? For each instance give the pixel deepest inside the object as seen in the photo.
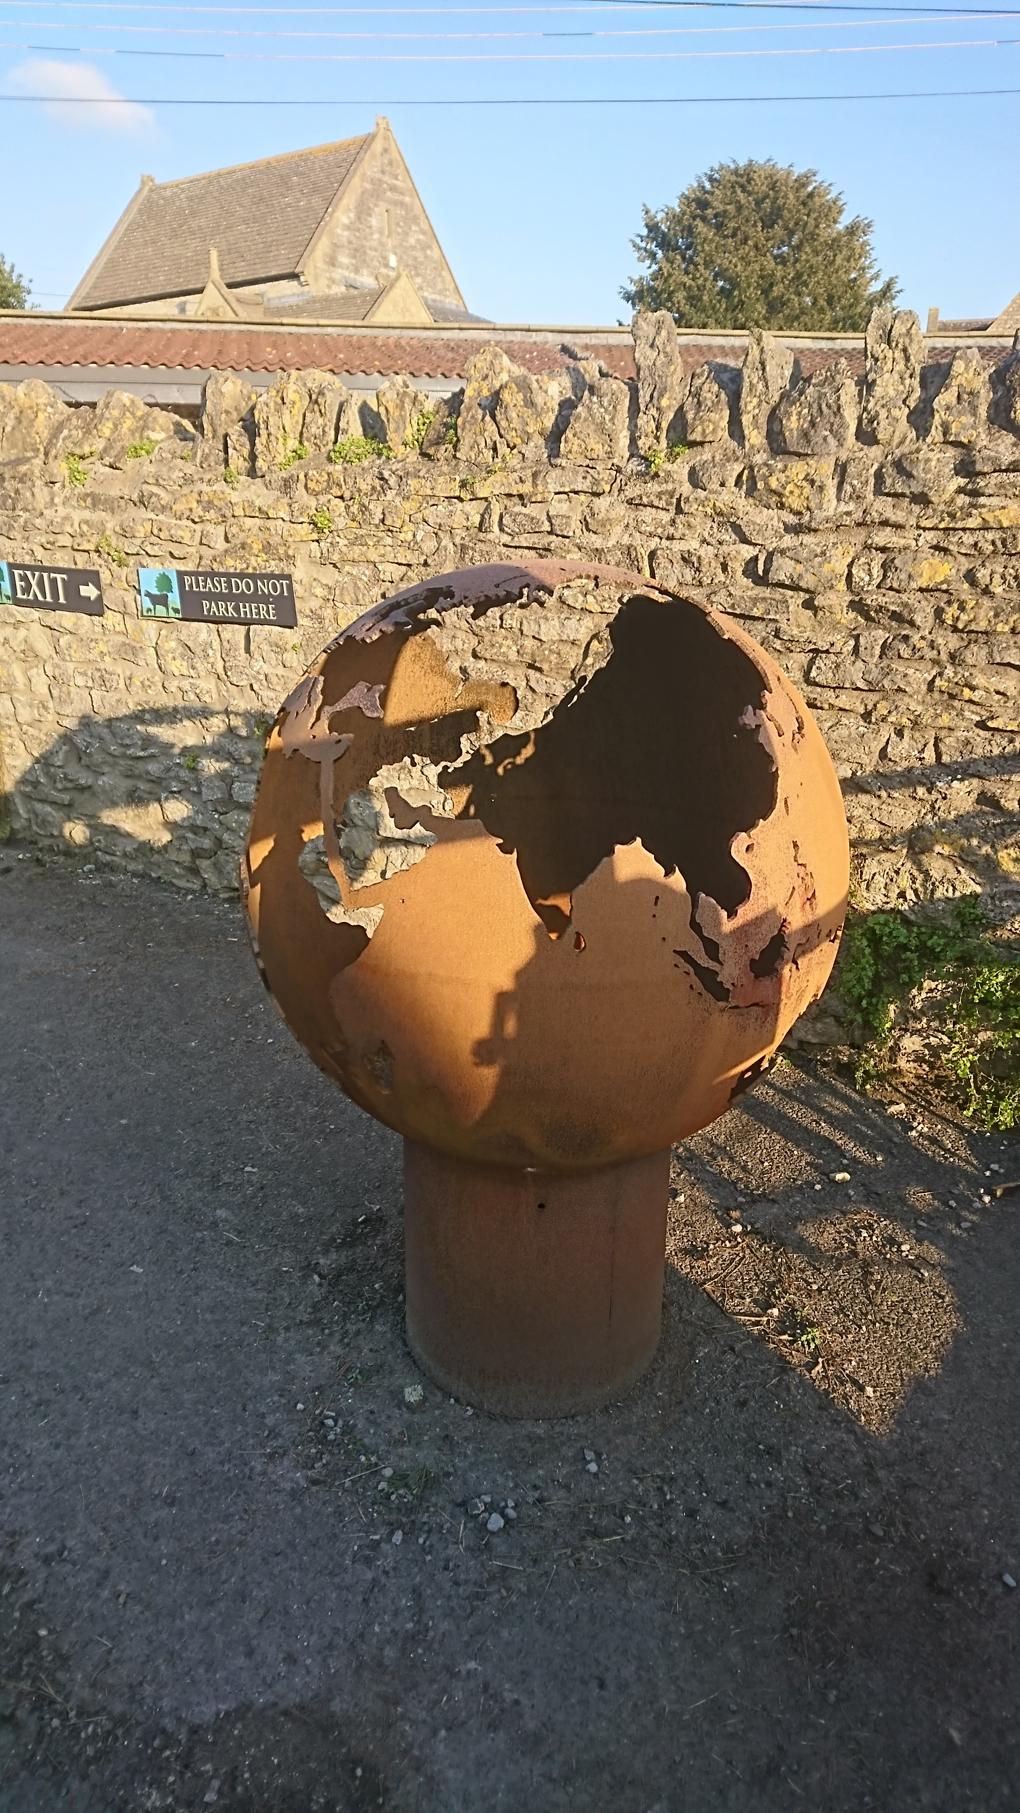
(865, 529)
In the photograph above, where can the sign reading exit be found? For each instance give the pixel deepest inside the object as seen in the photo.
(218, 597)
(51, 588)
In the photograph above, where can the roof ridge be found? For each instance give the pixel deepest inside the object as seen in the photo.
(279, 157)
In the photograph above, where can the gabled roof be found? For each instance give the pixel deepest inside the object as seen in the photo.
(1009, 320)
(357, 305)
(261, 218)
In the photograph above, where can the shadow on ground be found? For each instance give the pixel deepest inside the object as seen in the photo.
(247, 1561)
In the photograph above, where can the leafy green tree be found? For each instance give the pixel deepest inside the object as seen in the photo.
(14, 289)
(759, 245)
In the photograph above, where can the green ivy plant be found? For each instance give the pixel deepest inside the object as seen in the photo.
(140, 450)
(321, 522)
(107, 546)
(659, 456)
(357, 448)
(294, 453)
(415, 436)
(886, 958)
(76, 469)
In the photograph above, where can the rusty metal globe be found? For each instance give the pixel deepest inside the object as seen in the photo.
(545, 862)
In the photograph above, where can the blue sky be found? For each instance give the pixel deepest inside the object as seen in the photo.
(535, 204)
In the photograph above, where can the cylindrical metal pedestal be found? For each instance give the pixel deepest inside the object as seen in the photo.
(529, 1293)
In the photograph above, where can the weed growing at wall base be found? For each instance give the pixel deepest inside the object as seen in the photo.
(963, 992)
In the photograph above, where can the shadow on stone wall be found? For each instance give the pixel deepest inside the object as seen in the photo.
(164, 792)
(167, 791)
(924, 837)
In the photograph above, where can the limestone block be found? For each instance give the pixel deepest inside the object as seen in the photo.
(279, 420)
(219, 872)
(31, 414)
(819, 571)
(857, 485)
(478, 437)
(226, 403)
(660, 378)
(923, 474)
(799, 486)
(599, 428)
(686, 566)
(765, 375)
(716, 471)
(527, 407)
(525, 524)
(120, 422)
(820, 416)
(704, 414)
(401, 407)
(960, 411)
(1008, 389)
(328, 398)
(894, 354)
(442, 433)
(920, 571)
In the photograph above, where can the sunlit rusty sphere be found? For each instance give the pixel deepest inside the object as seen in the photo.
(545, 862)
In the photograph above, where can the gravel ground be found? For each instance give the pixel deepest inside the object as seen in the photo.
(251, 1559)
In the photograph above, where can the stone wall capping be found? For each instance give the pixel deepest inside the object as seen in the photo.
(861, 515)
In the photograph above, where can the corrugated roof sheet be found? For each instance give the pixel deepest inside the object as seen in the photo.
(260, 217)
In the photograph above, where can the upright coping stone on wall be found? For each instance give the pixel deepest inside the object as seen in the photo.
(886, 578)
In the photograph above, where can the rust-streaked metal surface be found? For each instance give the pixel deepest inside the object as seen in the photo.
(534, 1295)
(544, 863)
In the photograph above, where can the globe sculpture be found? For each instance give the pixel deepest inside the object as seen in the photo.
(545, 862)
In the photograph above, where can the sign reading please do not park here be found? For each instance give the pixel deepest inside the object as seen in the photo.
(244, 598)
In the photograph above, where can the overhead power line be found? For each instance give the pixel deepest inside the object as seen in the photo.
(319, 37)
(522, 56)
(782, 6)
(659, 31)
(572, 100)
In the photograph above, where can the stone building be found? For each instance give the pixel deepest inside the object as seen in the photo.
(336, 233)
(1005, 322)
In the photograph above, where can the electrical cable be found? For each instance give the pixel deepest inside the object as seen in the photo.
(570, 56)
(573, 100)
(666, 31)
(783, 6)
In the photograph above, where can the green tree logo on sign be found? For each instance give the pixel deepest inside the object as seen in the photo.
(158, 588)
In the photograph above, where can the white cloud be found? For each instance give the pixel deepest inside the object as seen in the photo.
(91, 99)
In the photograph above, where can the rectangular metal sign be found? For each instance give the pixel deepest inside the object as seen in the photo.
(217, 597)
(51, 588)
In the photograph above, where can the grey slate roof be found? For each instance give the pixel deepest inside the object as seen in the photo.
(259, 216)
(353, 305)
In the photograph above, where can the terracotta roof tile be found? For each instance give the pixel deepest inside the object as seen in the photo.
(225, 347)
